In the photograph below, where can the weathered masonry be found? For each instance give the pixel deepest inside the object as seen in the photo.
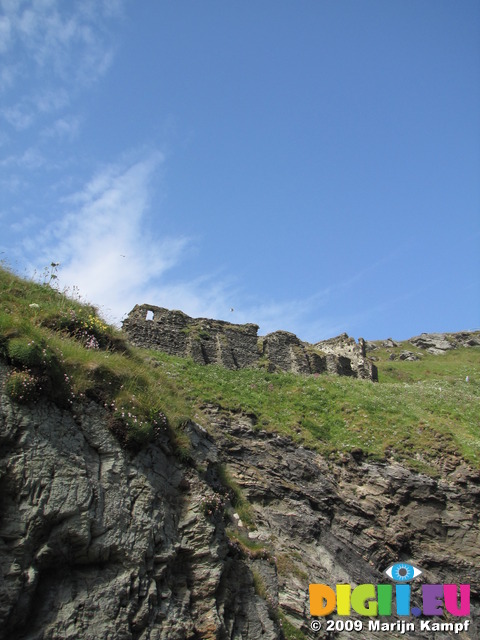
(237, 346)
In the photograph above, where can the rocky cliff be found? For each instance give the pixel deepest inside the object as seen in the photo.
(236, 346)
(99, 542)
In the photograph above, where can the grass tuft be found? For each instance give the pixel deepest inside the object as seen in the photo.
(429, 413)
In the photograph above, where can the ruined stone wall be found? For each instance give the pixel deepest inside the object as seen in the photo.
(237, 346)
(356, 352)
(233, 346)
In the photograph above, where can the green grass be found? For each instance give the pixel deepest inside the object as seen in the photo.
(73, 355)
(243, 508)
(453, 366)
(432, 412)
(289, 630)
(62, 349)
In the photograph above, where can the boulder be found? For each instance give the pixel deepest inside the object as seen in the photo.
(438, 343)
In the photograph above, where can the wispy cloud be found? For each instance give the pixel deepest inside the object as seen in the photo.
(64, 36)
(59, 46)
(30, 159)
(102, 240)
(20, 116)
(106, 252)
(67, 127)
(5, 33)
(7, 77)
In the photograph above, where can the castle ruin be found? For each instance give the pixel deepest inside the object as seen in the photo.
(238, 346)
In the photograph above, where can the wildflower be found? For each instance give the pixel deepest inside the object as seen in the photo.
(34, 305)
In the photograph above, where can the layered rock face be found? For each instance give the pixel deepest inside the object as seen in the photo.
(236, 346)
(346, 348)
(347, 522)
(98, 542)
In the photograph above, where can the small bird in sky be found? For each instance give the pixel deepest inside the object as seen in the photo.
(232, 309)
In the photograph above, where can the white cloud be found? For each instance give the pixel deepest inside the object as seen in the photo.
(24, 113)
(20, 117)
(52, 100)
(103, 244)
(106, 251)
(67, 127)
(5, 33)
(299, 316)
(24, 224)
(61, 46)
(7, 76)
(55, 32)
(103, 241)
(31, 158)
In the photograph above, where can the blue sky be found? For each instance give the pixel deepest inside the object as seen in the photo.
(313, 164)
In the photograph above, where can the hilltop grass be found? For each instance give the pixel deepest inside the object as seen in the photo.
(433, 412)
(452, 366)
(62, 349)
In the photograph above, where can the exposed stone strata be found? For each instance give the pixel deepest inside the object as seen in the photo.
(346, 347)
(236, 346)
(347, 522)
(435, 343)
(96, 542)
(286, 352)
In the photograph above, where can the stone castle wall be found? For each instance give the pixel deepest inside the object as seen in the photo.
(238, 346)
(233, 346)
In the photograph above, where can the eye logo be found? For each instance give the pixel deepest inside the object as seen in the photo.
(378, 600)
(402, 572)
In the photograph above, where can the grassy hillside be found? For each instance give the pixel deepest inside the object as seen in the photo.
(61, 349)
(57, 347)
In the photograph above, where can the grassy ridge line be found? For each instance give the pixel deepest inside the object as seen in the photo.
(417, 412)
(60, 348)
(416, 421)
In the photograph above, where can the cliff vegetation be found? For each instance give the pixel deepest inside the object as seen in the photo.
(147, 496)
(61, 348)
